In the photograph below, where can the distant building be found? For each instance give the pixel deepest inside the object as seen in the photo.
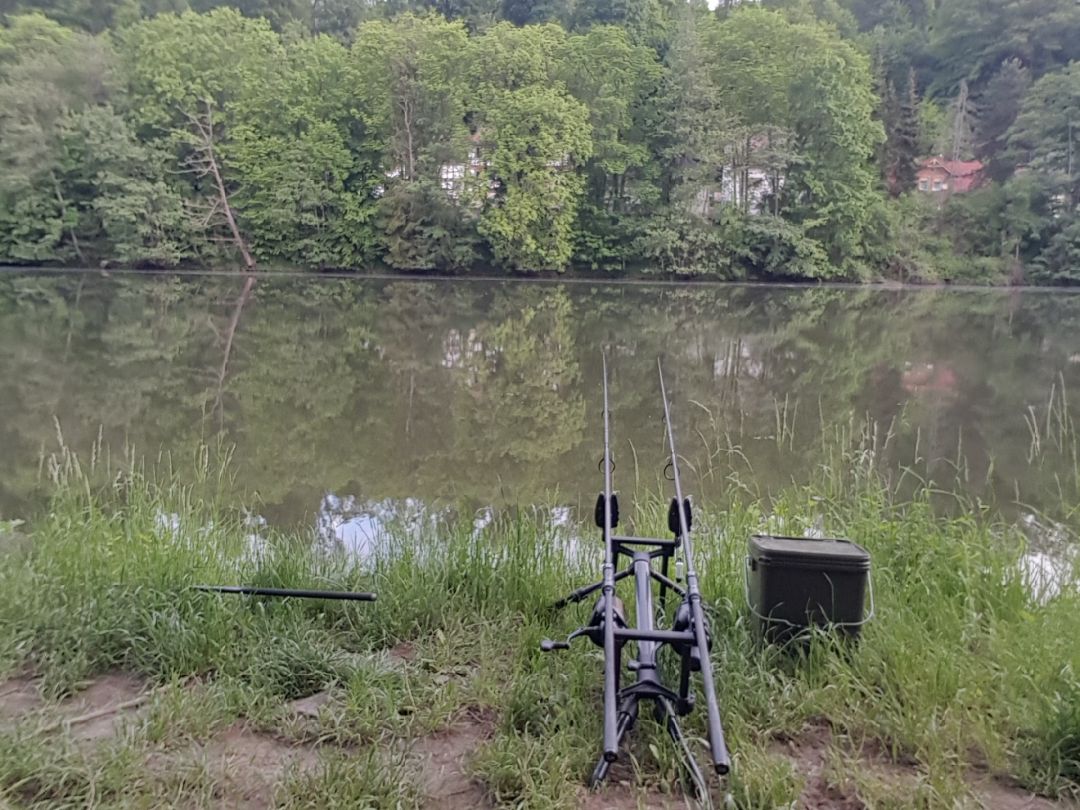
(753, 175)
(939, 176)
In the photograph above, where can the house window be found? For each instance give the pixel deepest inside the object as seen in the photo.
(938, 184)
(924, 185)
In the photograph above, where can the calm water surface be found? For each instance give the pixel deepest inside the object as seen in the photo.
(345, 399)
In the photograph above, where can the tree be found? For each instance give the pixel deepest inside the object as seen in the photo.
(804, 79)
(539, 136)
(1046, 135)
(535, 138)
(690, 125)
(413, 69)
(138, 217)
(307, 165)
(611, 77)
(900, 115)
(998, 106)
(533, 12)
(960, 143)
(25, 34)
(510, 58)
(831, 188)
(971, 38)
(46, 74)
(188, 76)
(203, 161)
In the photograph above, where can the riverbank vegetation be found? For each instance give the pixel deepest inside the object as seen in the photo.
(744, 142)
(965, 688)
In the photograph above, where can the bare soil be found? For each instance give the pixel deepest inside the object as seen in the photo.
(95, 713)
(247, 765)
(809, 752)
(623, 797)
(442, 760)
(19, 697)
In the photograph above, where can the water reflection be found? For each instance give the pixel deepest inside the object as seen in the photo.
(342, 397)
(1049, 565)
(361, 530)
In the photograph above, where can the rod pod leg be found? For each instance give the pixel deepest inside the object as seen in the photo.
(699, 788)
(627, 717)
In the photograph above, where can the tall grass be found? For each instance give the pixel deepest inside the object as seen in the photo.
(963, 669)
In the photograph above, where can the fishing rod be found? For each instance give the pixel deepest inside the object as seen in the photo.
(611, 675)
(299, 593)
(718, 749)
(608, 628)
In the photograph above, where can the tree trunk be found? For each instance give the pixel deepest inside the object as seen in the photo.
(205, 163)
(63, 215)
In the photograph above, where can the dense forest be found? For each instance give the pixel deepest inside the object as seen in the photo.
(779, 139)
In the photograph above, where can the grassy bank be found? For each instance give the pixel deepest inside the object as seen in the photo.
(965, 676)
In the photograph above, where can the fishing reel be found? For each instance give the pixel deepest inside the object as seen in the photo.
(594, 630)
(596, 621)
(684, 622)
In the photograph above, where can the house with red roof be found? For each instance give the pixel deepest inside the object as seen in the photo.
(939, 176)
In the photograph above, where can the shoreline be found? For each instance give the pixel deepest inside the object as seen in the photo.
(569, 278)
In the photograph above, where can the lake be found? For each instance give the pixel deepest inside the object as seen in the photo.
(348, 399)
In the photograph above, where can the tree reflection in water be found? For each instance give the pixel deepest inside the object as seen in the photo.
(391, 393)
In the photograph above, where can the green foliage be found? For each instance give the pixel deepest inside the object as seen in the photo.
(351, 135)
(305, 161)
(998, 107)
(610, 76)
(1045, 134)
(685, 245)
(133, 208)
(49, 76)
(971, 38)
(422, 229)
(411, 70)
(176, 64)
(539, 135)
(804, 78)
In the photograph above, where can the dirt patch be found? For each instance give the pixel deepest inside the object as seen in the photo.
(101, 710)
(247, 765)
(402, 653)
(18, 698)
(997, 794)
(623, 797)
(809, 753)
(442, 758)
(95, 713)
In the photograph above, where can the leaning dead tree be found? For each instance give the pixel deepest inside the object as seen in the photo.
(213, 211)
(204, 163)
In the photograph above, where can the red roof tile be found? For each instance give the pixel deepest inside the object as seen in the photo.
(957, 168)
